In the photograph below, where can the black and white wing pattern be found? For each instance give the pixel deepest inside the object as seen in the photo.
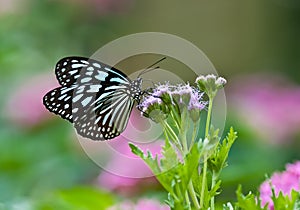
(59, 101)
(95, 97)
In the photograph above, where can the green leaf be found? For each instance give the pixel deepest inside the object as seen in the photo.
(218, 160)
(285, 202)
(214, 191)
(80, 198)
(248, 202)
(149, 160)
(170, 158)
(297, 202)
(228, 206)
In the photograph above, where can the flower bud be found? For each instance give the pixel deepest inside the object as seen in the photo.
(210, 84)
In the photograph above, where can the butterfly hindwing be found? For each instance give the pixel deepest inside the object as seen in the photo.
(59, 101)
(106, 115)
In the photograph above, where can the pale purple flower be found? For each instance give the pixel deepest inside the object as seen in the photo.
(196, 101)
(206, 78)
(284, 182)
(151, 100)
(221, 81)
(182, 93)
(142, 204)
(268, 104)
(25, 106)
(210, 84)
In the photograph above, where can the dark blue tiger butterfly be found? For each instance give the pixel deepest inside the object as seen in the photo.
(95, 97)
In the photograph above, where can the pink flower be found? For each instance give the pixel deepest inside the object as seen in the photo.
(25, 106)
(283, 182)
(294, 169)
(131, 174)
(143, 204)
(125, 172)
(268, 104)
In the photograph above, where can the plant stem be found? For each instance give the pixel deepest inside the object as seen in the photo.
(203, 182)
(173, 135)
(193, 195)
(194, 134)
(207, 126)
(213, 182)
(182, 131)
(187, 200)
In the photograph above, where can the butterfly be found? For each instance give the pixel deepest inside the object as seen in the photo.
(95, 97)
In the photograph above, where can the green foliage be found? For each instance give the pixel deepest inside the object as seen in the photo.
(281, 202)
(173, 177)
(80, 198)
(248, 201)
(286, 202)
(217, 160)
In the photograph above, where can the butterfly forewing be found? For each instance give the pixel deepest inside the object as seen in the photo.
(71, 70)
(99, 97)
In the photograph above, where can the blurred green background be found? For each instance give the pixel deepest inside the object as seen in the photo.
(40, 160)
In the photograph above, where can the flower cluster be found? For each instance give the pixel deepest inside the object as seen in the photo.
(177, 109)
(261, 102)
(283, 182)
(166, 97)
(210, 84)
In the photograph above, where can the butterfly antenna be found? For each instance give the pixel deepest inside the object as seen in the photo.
(149, 68)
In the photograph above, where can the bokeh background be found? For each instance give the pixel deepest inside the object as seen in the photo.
(254, 44)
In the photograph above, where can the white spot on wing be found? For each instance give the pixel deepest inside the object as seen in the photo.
(94, 88)
(76, 98)
(97, 65)
(62, 97)
(73, 72)
(108, 69)
(101, 75)
(86, 79)
(80, 89)
(86, 101)
(64, 90)
(115, 79)
(85, 62)
(78, 65)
